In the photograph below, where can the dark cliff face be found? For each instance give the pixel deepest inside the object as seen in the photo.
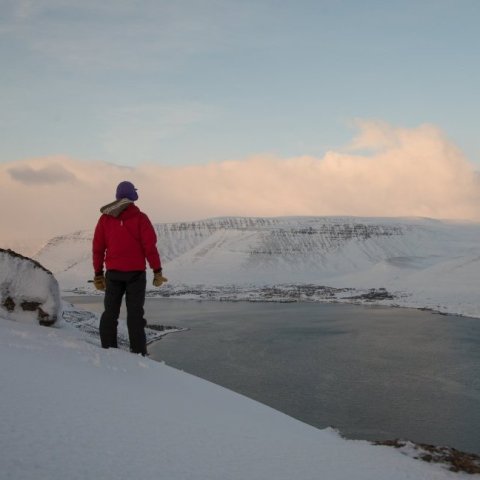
(276, 236)
(295, 226)
(322, 238)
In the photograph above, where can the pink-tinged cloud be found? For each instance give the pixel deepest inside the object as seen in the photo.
(405, 172)
(47, 175)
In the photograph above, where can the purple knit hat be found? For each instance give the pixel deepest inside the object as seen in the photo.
(127, 190)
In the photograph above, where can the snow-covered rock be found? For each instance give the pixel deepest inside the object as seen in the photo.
(28, 291)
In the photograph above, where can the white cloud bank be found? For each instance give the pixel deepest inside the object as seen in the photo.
(405, 172)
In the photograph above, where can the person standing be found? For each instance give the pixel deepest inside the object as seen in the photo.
(124, 240)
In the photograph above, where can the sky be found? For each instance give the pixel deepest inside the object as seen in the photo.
(226, 104)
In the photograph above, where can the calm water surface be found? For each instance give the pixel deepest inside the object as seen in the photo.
(372, 372)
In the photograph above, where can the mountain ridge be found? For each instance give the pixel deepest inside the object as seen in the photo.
(425, 259)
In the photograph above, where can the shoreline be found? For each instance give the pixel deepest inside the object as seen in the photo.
(308, 293)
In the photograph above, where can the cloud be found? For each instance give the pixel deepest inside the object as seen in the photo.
(48, 175)
(406, 172)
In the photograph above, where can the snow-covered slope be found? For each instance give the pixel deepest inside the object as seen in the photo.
(435, 264)
(72, 410)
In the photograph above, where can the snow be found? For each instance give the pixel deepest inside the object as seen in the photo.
(22, 280)
(73, 410)
(424, 263)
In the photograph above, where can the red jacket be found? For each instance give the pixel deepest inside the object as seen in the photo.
(124, 242)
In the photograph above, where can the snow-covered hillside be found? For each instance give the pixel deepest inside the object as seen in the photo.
(72, 410)
(422, 262)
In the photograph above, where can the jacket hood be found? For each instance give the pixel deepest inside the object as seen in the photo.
(115, 208)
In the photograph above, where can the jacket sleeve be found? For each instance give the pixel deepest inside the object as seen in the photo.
(149, 243)
(99, 246)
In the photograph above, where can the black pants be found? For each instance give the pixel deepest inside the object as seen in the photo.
(133, 285)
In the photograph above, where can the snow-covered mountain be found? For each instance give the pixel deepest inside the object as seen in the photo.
(427, 263)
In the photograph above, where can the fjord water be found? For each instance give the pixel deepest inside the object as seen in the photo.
(374, 373)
